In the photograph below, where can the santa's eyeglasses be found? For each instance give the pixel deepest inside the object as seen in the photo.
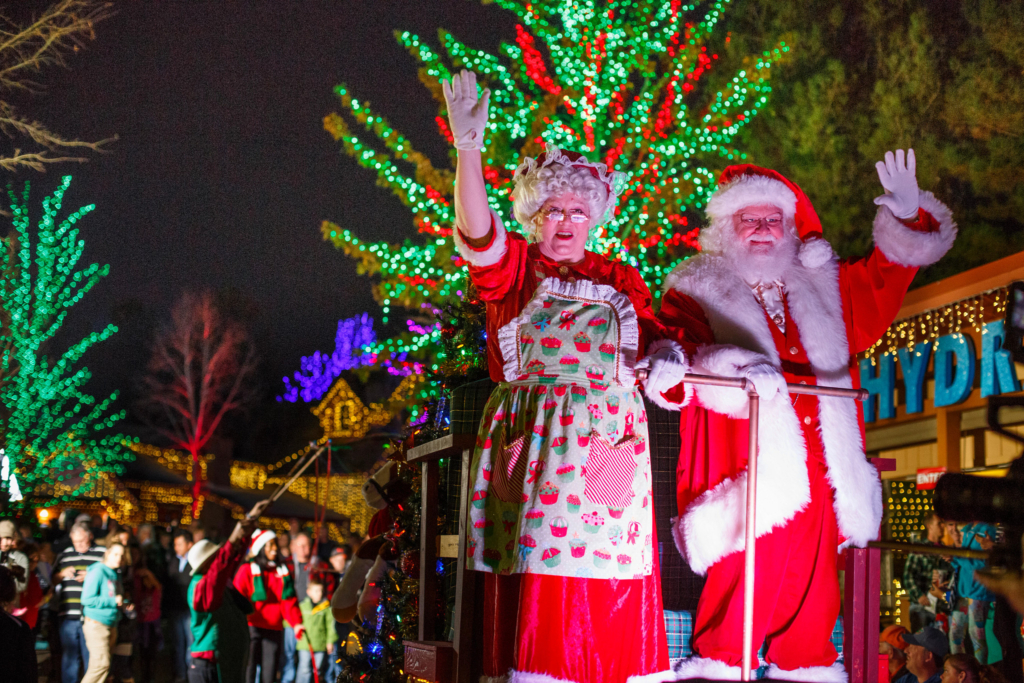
(754, 221)
(575, 215)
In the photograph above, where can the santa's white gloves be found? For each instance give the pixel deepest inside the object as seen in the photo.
(899, 178)
(767, 380)
(467, 112)
(666, 367)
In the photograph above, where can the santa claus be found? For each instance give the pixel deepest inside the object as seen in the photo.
(767, 299)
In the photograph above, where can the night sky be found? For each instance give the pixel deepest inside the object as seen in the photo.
(223, 171)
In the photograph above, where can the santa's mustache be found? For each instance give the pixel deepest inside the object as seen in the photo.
(762, 238)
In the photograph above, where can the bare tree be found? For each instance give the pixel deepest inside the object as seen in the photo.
(64, 27)
(199, 372)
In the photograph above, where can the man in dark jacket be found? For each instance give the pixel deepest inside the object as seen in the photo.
(220, 634)
(18, 643)
(175, 604)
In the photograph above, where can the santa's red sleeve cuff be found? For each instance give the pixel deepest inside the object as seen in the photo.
(918, 243)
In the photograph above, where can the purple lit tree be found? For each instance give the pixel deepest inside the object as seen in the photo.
(318, 372)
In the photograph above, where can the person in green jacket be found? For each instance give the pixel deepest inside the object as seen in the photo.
(101, 610)
(318, 637)
(220, 633)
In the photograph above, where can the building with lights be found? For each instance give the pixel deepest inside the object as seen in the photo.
(931, 378)
(156, 487)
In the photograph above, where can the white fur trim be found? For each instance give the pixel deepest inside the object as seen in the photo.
(490, 255)
(724, 360)
(658, 677)
(751, 190)
(812, 674)
(713, 524)
(655, 393)
(815, 252)
(908, 247)
(582, 290)
(527, 677)
(701, 667)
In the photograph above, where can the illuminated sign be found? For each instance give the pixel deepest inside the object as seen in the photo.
(927, 477)
(954, 359)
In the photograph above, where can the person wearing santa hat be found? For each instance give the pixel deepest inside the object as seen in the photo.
(268, 585)
(767, 299)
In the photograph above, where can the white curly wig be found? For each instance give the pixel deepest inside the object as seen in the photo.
(556, 172)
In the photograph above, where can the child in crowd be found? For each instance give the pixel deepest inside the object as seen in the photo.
(319, 632)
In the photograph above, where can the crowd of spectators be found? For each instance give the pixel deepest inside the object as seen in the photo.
(107, 602)
(943, 591)
(924, 657)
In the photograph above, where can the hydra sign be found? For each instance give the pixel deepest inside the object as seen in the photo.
(955, 360)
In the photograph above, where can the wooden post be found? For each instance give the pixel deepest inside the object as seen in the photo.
(428, 658)
(428, 550)
(466, 583)
(947, 424)
(860, 614)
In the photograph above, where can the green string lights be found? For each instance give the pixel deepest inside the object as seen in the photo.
(50, 428)
(634, 84)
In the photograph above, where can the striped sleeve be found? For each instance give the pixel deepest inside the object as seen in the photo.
(70, 589)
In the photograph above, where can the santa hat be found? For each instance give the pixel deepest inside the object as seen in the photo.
(746, 185)
(260, 539)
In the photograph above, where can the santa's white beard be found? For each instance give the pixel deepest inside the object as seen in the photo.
(763, 267)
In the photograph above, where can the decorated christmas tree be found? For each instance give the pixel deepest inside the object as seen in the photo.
(55, 436)
(645, 86)
(381, 654)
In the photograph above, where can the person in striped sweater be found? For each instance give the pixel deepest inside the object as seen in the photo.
(69, 572)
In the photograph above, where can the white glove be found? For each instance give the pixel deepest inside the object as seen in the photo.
(767, 380)
(467, 113)
(666, 368)
(899, 178)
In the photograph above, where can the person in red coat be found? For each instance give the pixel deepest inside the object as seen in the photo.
(562, 521)
(767, 299)
(268, 585)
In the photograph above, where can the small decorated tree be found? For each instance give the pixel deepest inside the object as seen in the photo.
(381, 655)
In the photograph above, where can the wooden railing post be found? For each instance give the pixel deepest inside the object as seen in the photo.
(860, 613)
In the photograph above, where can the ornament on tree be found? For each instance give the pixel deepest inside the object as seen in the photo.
(410, 563)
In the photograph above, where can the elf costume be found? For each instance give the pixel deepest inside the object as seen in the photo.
(816, 490)
(270, 589)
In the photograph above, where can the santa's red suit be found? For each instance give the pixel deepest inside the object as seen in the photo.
(816, 489)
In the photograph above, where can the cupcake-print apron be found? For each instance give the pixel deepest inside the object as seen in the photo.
(561, 473)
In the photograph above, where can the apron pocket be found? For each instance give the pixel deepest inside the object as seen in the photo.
(609, 472)
(509, 470)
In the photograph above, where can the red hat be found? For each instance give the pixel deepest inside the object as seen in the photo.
(746, 185)
(260, 539)
(894, 636)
